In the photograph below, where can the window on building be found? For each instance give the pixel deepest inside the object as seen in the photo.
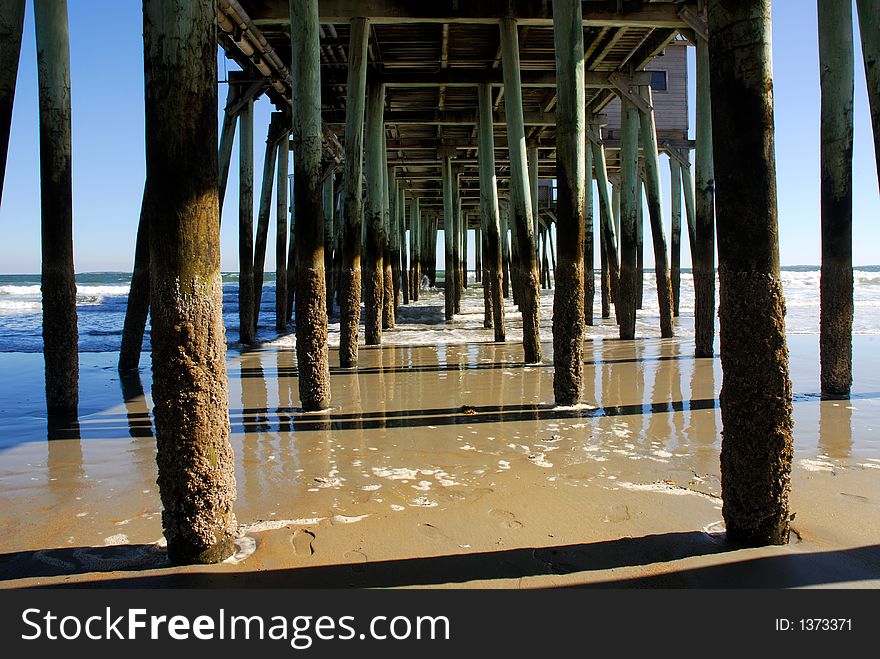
(658, 81)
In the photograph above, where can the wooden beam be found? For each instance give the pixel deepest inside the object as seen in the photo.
(526, 12)
(461, 77)
(444, 118)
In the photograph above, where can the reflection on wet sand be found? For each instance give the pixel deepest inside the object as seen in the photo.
(835, 428)
(426, 451)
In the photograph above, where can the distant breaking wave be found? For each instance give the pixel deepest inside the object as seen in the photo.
(102, 299)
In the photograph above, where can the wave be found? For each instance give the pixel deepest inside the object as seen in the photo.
(19, 306)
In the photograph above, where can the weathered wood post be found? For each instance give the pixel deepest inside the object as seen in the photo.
(836, 285)
(227, 138)
(704, 265)
(489, 216)
(675, 238)
(521, 203)
(387, 272)
(138, 306)
(264, 213)
(459, 246)
(352, 183)
(291, 255)
(571, 175)
(604, 280)
(394, 237)
(282, 212)
(606, 218)
(505, 251)
(449, 266)
(629, 214)
(195, 460)
(869, 19)
(756, 450)
(687, 188)
(246, 223)
(415, 249)
(655, 213)
(56, 192)
(532, 159)
(11, 27)
(311, 293)
(373, 246)
(430, 251)
(478, 255)
(464, 250)
(589, 257)
(404, 257)
(328, 192)
(640, 240)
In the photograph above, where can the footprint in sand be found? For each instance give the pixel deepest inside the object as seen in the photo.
(505, 519)
(432, 532)
(302, 542)
(617, 513)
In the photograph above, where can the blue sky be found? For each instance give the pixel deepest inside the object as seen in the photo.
(108, 145)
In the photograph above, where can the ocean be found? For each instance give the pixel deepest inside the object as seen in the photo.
(102, 298)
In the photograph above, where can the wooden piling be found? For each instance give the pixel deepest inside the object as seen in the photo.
(227, 140)
(704, 251)
(388, 299)
(404, 258)
(756, 410)
(415, 242)
(869, 20)
(246, 224)
(836, 283)
(521, 203)
(449, 266)
(608, 238)
(464, 251)
(571, 176)
(675, 238)
(394, 237)
(589, 257)
(655, 212)
(264, 212)
(190, 400)
(629, 213)
(352, 183)
(11, 27)
(374, 249)
(640, 240)
(282, 212)
(490, 219)
(505, 253)
(687, 188)
(138, 307)
(328, 195)
(532, 159)
(56, 192)
(311, 295)
(478, 255)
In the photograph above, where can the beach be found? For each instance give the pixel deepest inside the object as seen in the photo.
(444, 462)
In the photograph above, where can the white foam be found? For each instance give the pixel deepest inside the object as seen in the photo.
(346, 519)
(816, 465)
(665, 488)
(275, 524)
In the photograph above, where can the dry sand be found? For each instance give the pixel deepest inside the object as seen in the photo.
(449, 466)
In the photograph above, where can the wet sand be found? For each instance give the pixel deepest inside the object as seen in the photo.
(446, 465)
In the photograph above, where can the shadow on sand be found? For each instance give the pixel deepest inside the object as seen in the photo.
(787, 569)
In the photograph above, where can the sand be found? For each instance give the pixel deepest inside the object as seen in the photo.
(446, 466)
